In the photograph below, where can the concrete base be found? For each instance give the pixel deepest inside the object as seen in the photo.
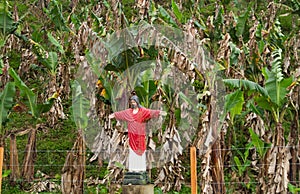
(138, 189)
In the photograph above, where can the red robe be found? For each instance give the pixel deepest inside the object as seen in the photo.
(136, 124)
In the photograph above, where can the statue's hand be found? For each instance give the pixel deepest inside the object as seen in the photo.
(163, 113)
(111, 116)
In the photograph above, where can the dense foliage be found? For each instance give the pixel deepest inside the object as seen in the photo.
(254, 44)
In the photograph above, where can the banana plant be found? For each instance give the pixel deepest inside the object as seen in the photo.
(145, 86)
(260, 145)
(36, 109)
(80, 111)
(242, 162)
(7, 24)
(7, 101)
(72, 180)
(271, 98)
(276, 87)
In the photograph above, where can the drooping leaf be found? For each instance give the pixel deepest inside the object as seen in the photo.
(31, 97)
(54, 11)
(6, 100)
(255, 109)
(1, 64)
(235, 52)
(148, 85)
(118, 45)
(265, 103)
(45, 107)
(238, 164)
(246, 153)
(276, 89)
(185, 98)
(94, 63)
(246, 84)
(55, 43)
(260, 145)
(177, 114)
(51, 62)
(218, 22)
(241, 24)
(166, 16)
(7, 24)
(35, 108)
(80, 106)
(146, 91)
(176, 11)
(242, 20)
(257, 142)
(261, 46)
(234, 102)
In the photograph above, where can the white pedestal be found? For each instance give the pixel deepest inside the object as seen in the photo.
(138, 189)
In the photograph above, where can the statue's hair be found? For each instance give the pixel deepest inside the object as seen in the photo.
(133, 93)
(135, 98)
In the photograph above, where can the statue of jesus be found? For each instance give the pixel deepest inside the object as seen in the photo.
(136, 117)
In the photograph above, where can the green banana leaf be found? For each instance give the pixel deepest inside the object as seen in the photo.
(7, 101)
(36, 109)
(80, 106)
(25, 91)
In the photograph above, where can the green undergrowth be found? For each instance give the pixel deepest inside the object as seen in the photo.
(52, 146)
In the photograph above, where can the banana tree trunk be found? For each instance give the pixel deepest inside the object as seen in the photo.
(265, 164)
(14, 161)
(294, 140)
(217, 170)
(216, 154)
(294, 150)
(279, 163)
(73, 171)
(30, 156)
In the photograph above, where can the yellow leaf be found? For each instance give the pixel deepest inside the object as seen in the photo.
(103, 93)
(99, 84)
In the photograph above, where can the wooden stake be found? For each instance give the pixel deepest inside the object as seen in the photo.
(193, 159)
(1, 165)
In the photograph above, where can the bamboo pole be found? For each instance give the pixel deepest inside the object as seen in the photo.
(1, 165)
(193, 160)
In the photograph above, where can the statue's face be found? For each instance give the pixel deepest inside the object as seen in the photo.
(133, 104)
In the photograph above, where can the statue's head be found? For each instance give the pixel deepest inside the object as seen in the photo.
(134, 101)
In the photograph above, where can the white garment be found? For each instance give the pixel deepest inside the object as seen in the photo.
(136, 163)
